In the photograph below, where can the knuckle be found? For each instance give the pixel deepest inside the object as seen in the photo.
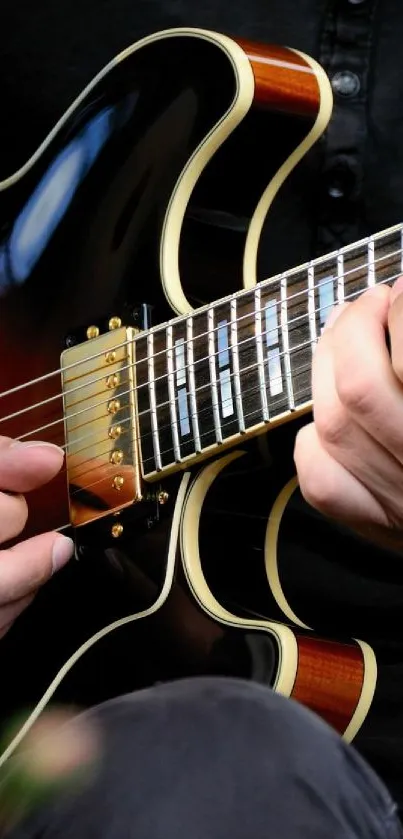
(356, 393)
(318, 490)
(331, 427)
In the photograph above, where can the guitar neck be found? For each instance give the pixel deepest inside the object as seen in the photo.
(231, 369)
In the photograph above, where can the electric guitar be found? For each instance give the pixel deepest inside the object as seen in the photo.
(115, 221)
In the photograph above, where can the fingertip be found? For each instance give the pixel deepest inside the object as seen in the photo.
(396, 289)
(25, 465)
(63, 549)
(334, 315)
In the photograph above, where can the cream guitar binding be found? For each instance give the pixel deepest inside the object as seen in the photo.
(146, 201)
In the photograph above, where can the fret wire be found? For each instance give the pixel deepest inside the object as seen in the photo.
(192, 385)
(311, 306)
(379, 238)
(340, 277)
(292, 323)
(294, 320)
(371, 279)
(235, 366)
(388, 279)
(259, 354)
(298, 370)
(154, 355)
(171, 394)
(253, 366)
(264, 284)
(153, 402)
(213, 375)
(286, 341)
(305, 397)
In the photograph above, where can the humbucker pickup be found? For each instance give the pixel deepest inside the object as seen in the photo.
(102, 455)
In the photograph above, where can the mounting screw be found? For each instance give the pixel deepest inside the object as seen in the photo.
(115, 432)
(118, 482)
(116, 457)
(115, 323)
(92, 332)
(113, 381)
(117, 530)
(162, 497)
(113, 406)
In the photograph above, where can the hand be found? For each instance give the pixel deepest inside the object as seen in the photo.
(27, 565)
(350, 459)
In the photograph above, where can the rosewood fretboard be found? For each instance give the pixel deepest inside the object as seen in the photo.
(244, 362)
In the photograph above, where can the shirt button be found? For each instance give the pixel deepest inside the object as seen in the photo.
(346, 83)
(339, 182)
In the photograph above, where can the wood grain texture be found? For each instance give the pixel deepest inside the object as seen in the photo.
(329, 679)
(284, 80)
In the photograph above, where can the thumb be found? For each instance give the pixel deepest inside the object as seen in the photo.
(28, 565)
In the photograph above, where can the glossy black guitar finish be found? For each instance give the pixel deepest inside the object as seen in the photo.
(81, 232)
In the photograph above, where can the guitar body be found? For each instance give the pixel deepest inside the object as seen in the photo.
(148, 192)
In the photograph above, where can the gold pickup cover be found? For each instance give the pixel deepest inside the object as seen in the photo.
(100, 426)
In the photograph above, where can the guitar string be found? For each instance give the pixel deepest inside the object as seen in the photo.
(162, 327)
(199, 415)
(194, 338)
(303, 368)
(293, 279)
(164, 376)
(255, 389)
(225, 423)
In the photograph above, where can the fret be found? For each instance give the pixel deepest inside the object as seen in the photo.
(356, 266)
(388, 256)
(213, 375)
(250, 382)
(299, 335)
(192, 384)
(180, 385)
(226, 404)
(235, 365)
(204, 400)
(340, 277)
(286, 343)
(273, 350)
(247, 360)
(142, 393)
(153, 402)
(312, 307)
(171, 394)
(183, 424)
(326, 289)
(371, 280)
(259, 354)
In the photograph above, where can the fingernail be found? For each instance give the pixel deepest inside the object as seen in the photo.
(63, 550)
(332, 317)
(397, 289)
(38, 443)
